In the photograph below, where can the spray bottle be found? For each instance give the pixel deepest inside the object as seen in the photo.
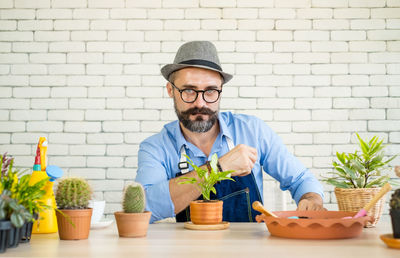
(47, 222)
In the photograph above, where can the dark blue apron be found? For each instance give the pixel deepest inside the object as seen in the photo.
(237, 197)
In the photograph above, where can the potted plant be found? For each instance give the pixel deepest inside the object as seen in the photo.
(73, 215)
(206, 211)
(133, 221)
(395, 213)
(358, 176)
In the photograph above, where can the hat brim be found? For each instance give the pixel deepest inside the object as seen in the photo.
(170, 68)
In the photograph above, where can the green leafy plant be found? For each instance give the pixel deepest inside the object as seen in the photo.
(361, 170)
(134, 199)
(207, 179)
(395, 200)
(11, 210)
(73, 193)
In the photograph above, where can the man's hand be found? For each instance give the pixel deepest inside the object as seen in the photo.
(241, 159)
(310, 202)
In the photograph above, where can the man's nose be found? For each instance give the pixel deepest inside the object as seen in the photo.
(200, 102)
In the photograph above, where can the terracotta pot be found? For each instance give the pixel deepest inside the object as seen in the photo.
(206, 212)
(132, 224)
(81, 220)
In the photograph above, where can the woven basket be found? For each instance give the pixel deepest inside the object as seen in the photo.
(354, 199)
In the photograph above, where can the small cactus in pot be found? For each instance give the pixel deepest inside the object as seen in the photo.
(133, 221)
(73, 215)
(395, 213)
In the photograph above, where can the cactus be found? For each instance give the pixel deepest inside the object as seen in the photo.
(134, 198)
(395, 200)
(73, 193)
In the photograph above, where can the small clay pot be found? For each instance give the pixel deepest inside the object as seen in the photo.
(132, 224)
(206, 212)
(81, 224)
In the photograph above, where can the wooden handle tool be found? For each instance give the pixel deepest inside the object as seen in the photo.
(259, 207)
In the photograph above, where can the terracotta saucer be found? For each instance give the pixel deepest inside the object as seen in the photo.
(390, 241)
(220, 226)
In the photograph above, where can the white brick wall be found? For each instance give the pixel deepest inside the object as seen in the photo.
(85, 74)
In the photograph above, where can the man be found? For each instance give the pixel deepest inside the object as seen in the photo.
(243, 143)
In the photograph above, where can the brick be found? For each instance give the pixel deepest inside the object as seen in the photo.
(202, 13)
(29, 47)
(68, 92)
(394, 91)
(241, 80)
(296, 138)
(31, 92)
(88, 35)
(66, 47)
(221, 3)
(152, 126)
(336, 24)
(138, 47)
(293, 24)
(311, 80)
(310, 126)
(314, 58)
(51, 35)
(14, 80)
(385, 102)
(350, 103)
(6, 92)
(8, 25)
(162, 35)
(105, 138)
(198, 35)
(269, 58)
(274, 35)
(256, 92)
(66, 115)
(225, 24)
(7, 4)
(67, 138)
(106, 92)
(49, 103)
(84, 58)
(106, 185)
(182, 25)
(370, 91)
(80, 127)
(108, 25)
(13, 58)
(312, 150)
(166, 13)
(138, 114)
(68, 161)
(16, 36)
(54, 13)
(272, 80)
(12, 126)
(125, 36)
(367, 3)
(6, 47)
(88, 150)
(88, 173)
(313, 35)
(351, 13)
(35, 25)
(85, 80)
(136, 137)
(121, 126)
(105, 3)
(292, 115)
(120, 173)
(393, 114)
(71, 25)
(393, 68)
(313, 103)
(254, 46)
(367, 114)
(141, 69)
(394, 3)
(331, 138)
(17, 14)
(128, 13)
(394, 137)
(122, 150)
(380, 80)
(67, 69)
(253, 69)
(155, 58)
(314, 13)
(291, 69)
(158, 103)
(349, 58)
(29, 69)
(350, 80)
(387, 57)
(144, 25)
(91, 14)
(47, 58)
(383, 125)
(367, 69)
(348, 35)
(329, 69)
(239, 13)
(276, 13)
(124, 103)
(122, 80)
(392, 24)
(330, 46)
(105, 47)
(93, 115)
(27, 138)
(105, 161)
(167, 115)
(348, 126)
(295, 92)
(385, 13)
(15, 149)
(292, 47)
(5, 138)
(367, 24)
(143, 3)
(44, 126)
(383, 34)
(330, 115)
(69, 4)
(28, 115)
(255, 3)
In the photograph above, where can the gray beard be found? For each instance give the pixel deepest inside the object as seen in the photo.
(199, 125)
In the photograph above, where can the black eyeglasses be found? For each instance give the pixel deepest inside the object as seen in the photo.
(190, 95)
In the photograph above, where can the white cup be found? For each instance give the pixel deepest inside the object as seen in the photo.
(98, 210)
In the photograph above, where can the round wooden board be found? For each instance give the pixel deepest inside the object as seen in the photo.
(222, 225)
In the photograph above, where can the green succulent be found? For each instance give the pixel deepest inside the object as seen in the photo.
(361, 170)
(395, 200)
(73, 193)
(134, 198)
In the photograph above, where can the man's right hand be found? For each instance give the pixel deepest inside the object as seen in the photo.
(241, 159)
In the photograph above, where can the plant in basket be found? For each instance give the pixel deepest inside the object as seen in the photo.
(358, 176)
(133, 221)
(73, 214)
(206, 211)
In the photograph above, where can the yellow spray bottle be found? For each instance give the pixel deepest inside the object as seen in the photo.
(47, 222)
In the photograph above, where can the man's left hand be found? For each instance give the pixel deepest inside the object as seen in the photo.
(311, 202)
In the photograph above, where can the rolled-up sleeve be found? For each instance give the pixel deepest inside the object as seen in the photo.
(153, 176)
(285, 167)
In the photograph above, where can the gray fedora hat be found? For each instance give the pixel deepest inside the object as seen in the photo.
(201, 54)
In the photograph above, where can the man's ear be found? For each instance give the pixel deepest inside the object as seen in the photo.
(169, 89)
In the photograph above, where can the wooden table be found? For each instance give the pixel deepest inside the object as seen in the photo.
(246, 240)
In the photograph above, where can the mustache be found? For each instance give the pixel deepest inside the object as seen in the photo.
(196, 111)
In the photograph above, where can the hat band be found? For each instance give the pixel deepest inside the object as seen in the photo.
(202, 62)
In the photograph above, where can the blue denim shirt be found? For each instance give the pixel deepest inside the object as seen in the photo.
(159, 156)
